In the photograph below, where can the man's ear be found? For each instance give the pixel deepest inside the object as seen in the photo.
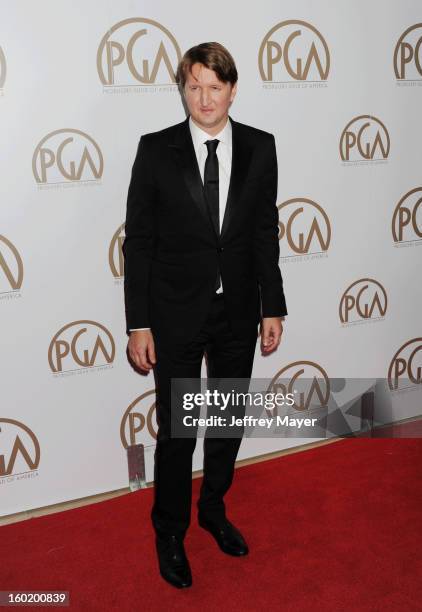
(233, 92)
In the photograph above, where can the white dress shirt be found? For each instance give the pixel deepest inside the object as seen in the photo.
(224, 156)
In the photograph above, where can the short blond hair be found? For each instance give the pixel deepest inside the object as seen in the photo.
(212, 55)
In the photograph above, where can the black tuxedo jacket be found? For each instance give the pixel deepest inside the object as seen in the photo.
(172, 251)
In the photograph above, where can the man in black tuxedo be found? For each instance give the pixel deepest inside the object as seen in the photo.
(201, 272)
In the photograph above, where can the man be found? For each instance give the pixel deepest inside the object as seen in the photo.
(201, 271)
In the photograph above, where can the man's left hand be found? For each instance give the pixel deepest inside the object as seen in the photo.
(271, 331)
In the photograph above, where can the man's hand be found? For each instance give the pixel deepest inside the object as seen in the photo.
(141, 349)
(271, 331)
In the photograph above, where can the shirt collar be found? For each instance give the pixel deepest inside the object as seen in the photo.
(199, 136)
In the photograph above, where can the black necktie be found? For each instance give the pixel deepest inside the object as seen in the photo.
(211, 189)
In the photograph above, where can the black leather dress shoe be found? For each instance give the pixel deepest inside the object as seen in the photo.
(227, 536)
(173, 563)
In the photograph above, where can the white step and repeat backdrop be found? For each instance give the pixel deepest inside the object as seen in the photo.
(340, 86)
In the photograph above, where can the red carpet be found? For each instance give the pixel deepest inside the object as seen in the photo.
(333, 528)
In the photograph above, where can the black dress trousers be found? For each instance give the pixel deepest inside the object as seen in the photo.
(227, 356)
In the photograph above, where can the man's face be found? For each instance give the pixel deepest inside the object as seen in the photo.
(208, 99)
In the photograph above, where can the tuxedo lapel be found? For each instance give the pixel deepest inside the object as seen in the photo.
(241, 158)
(186, 158)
